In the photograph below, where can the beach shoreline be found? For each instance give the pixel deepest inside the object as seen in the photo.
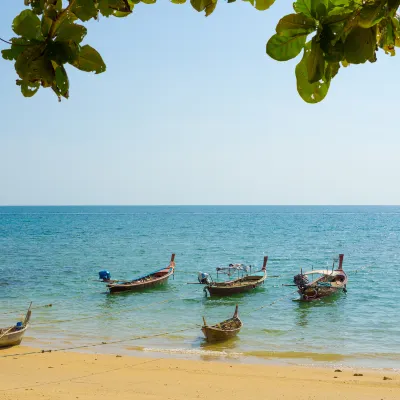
(70, 375)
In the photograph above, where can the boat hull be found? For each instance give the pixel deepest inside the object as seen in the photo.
(12, 338)
(214, 335)
(228, 289)
(224, 330)
(317, 293)
(137, 287)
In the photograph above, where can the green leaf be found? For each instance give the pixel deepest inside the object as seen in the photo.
(310, 92)
(283, 48)
(388, 39)
(360, 45)
(295, 24)
(8, 54)
(304, 7)
(89, 60)
(262, 5)
(331, 70)
(62, 81)
(50, 12)
(72, 32)
(45, 25)
(27, 24)
(210, 8)
(319, 8)
(371, 14)
(85, 9)
(181, 1)
(393, 5)
(104, 8)
(331, 45)
(315, 62)
(200, 5)
(28, 89)
(62, 51)
(32, 65)
(121, 5)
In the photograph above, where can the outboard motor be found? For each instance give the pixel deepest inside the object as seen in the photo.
(203, 278)
(104, 275)
(301, 281)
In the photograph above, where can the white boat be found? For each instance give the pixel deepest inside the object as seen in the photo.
(12, 335)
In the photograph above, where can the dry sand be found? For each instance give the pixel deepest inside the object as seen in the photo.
(65, 375)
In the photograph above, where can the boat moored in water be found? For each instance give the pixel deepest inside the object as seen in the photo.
(153, 279)
(224, 330)
(326, 284)
(241, 285)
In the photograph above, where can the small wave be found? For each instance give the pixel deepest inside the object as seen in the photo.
(274, 332)
(196, 352)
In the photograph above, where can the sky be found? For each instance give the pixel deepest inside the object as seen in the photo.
(191, 110)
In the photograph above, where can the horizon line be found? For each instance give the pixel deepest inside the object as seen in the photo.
(199, 205)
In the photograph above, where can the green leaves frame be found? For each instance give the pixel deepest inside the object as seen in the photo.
(343, 32)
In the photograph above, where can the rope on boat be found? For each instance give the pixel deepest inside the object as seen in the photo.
(100, 344)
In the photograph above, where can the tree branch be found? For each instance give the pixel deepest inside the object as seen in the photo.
(5, 41)
(60, 18)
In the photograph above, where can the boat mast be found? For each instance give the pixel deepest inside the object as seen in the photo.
(340, 268)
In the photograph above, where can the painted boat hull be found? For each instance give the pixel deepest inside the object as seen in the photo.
(214, 335)
(224, 289)
(137, 287)
(12, 338)
(317, 293)
(224, 330)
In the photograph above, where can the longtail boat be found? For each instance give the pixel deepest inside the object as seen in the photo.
(144, 282)
(327, 283)
(224, 330)
(240, 285)
(12, 335)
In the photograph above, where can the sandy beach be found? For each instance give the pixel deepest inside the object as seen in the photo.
(67, 375)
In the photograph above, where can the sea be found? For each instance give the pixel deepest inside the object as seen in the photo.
(51, 256)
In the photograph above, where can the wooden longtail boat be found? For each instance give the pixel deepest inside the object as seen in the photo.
(12, 335)
(240, 285)
(327, 283)
(153, 279)
(224, 330)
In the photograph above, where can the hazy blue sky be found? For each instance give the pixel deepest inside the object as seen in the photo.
(192, 111)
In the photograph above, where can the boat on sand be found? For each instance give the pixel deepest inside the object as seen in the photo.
(12, 335)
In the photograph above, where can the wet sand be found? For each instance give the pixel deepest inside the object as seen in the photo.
(68, 375)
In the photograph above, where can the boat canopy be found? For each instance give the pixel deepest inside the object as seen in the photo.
(323, 272)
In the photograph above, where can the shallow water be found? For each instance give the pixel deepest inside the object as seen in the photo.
(53, 255)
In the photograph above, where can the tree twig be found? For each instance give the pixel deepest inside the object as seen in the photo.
(60, 18)
(5, 41)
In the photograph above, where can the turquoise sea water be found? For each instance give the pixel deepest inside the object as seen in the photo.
(53, 255)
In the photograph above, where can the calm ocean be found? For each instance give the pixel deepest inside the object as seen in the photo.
(53, 255)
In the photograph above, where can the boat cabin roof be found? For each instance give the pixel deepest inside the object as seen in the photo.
(324, 272)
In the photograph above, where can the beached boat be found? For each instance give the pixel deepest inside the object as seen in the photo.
(144, 282)
(12, 335)
(224, 330)
(327, 283)
(240, 285)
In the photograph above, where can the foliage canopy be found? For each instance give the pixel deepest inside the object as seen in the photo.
(331, 34)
